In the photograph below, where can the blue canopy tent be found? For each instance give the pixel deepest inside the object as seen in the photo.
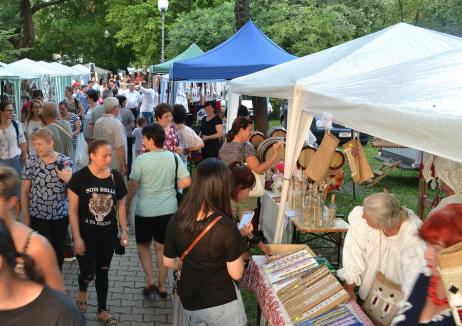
(247, 51)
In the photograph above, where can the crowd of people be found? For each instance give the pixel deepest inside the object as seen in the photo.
(137, 152)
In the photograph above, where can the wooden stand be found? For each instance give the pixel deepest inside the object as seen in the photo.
(382, 171)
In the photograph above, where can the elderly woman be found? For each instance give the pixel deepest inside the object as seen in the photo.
(427, 303)
(44, 192)
(382, 238)
(163, 116)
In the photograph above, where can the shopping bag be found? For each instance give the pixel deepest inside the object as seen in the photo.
(357, 160)
(383, 301)
(319, 165)
(81, 151)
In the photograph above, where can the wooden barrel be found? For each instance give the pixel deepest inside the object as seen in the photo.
(264, 150)
(305, 156)
(277, 132)
(256, 138)
(337, 160)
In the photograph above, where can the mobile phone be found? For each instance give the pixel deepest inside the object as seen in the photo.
(246, 219)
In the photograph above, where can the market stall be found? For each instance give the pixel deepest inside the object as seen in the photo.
(369, 84)
(16, 77)
(295, 289)
(84, 71)
(52, 82)
(232, 59)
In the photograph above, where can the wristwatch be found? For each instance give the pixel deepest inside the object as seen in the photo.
(126, 229)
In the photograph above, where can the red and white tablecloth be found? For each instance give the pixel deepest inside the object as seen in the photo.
(271, 307)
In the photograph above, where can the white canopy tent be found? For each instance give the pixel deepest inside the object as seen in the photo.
(400, 84)
(53, 81)
(15, 77)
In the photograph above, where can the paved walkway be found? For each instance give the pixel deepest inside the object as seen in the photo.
(125, 300)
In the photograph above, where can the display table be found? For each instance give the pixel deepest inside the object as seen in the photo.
(333, 234)
(271, 307)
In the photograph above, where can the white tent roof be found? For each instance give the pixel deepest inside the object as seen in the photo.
(27, 65)
(81, 68)
(58, 70)
(397, 43)
(66, 69)
(7, 72)
(402, 84)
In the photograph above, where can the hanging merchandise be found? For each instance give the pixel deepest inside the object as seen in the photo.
(357, 160)
(319, 165)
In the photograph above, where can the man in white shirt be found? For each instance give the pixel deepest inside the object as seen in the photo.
(109, 128)
(134, 99)
(150, 100)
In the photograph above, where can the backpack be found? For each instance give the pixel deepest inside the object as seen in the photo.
(16, 128)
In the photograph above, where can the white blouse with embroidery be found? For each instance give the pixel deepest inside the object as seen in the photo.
(367, 250)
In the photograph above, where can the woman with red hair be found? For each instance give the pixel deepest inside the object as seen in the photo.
(427, 303)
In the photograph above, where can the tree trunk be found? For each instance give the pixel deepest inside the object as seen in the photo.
(27, 24)
(241, 12)
(260, 114)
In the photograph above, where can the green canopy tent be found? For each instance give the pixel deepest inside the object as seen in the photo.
(163, 68)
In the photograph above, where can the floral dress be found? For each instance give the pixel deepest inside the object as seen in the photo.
(172, 141)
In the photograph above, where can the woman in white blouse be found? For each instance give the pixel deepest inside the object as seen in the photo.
(382, 238)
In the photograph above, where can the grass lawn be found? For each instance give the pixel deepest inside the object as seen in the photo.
(404, 184)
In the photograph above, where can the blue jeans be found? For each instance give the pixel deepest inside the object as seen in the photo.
(231, 313)
(147, 116)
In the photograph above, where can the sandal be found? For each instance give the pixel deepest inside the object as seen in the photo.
(81, 301)
(151, 289)
(107, 318)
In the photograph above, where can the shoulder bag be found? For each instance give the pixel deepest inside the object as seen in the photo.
(179, 319)
(179, 195)
(384, 298)
(259, 188)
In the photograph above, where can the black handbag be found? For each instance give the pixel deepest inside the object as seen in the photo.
(179, 195)
(118, 249)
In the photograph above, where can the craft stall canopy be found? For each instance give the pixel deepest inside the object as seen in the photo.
(100, 72)
(53, 81)
(163, 68)
(401, 84)
(15, 77)
(247, 51)
(85, 71)
(76, 74)
(65, 80)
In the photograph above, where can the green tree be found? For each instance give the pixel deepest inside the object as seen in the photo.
(207, 27)
(76, 32)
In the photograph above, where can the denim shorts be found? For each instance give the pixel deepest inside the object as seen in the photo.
(231, 313)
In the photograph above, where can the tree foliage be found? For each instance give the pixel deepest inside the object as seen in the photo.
(207, 27)
(74, 29)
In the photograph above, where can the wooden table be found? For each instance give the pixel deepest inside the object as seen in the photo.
(333, 234)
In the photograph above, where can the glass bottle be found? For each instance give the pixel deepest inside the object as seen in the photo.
(308, 209)
(331, 216)
(318, 207)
